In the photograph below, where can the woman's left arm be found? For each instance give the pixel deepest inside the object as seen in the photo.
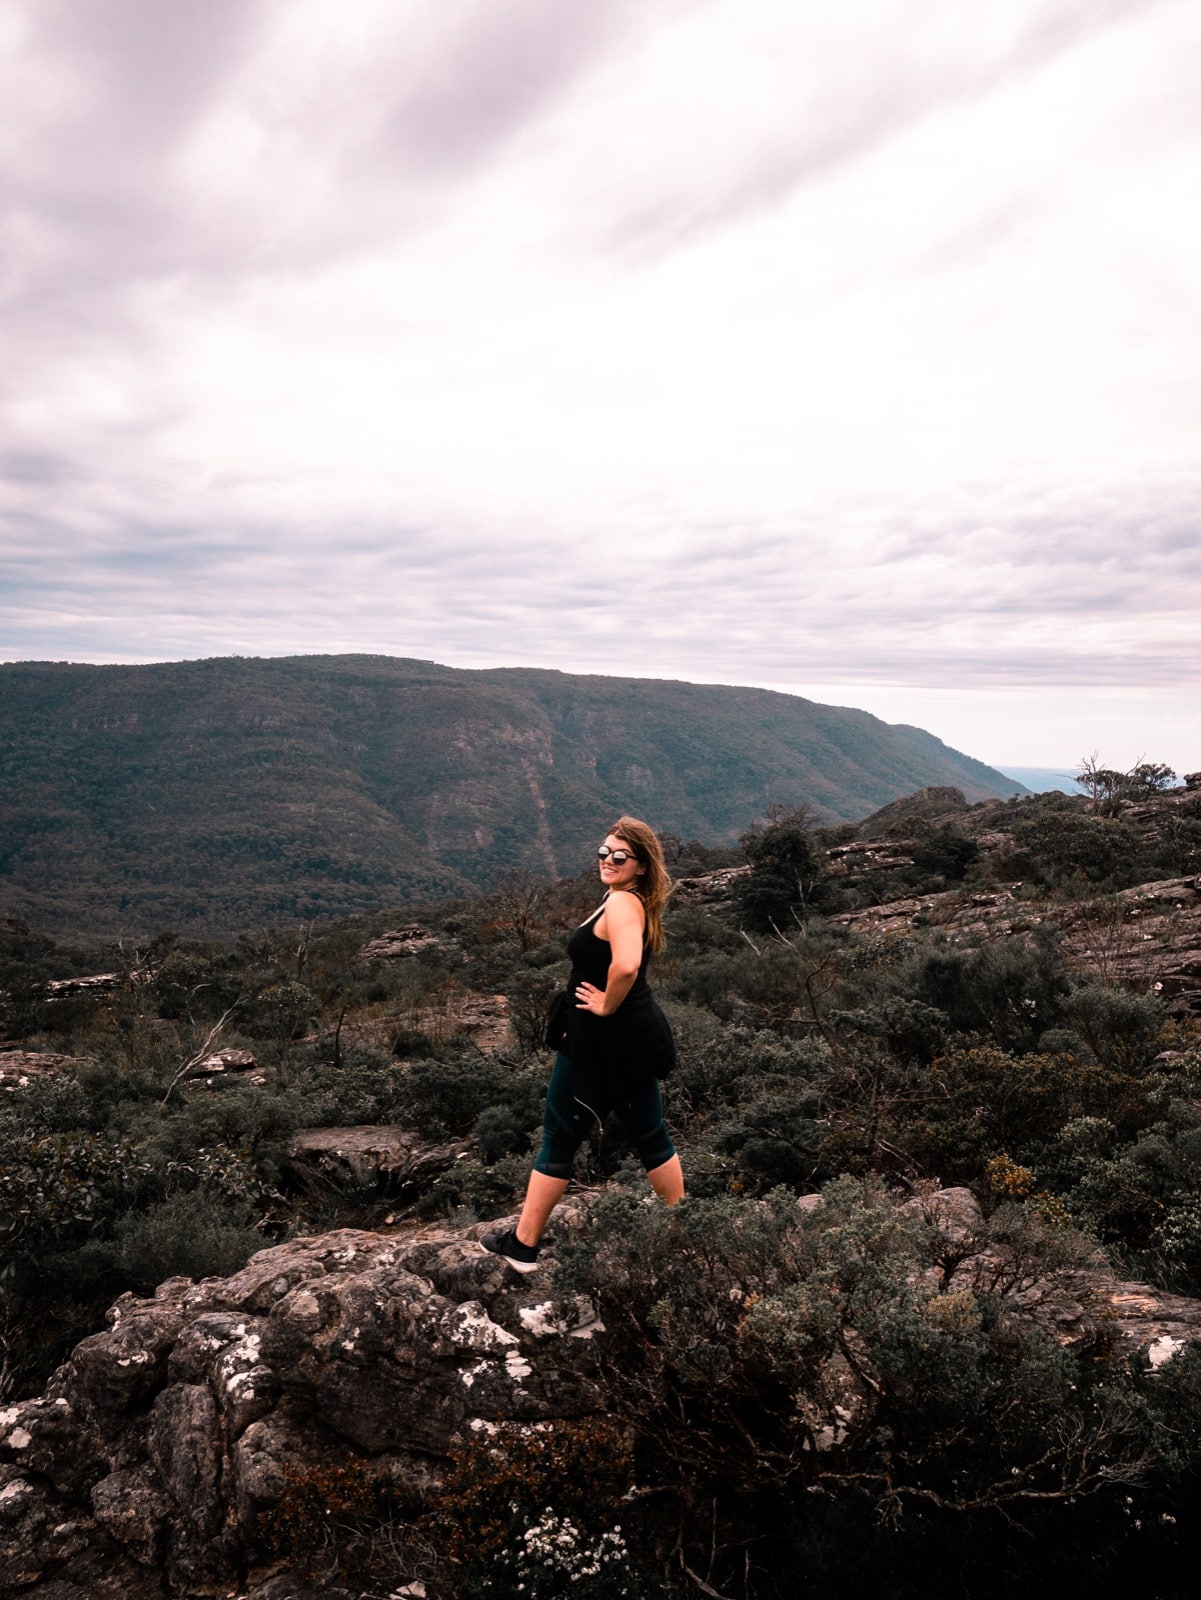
(625, 919)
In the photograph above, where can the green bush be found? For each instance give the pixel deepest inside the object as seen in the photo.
(786, 881)
(367, 1086)
(60, 1187)
(798, 1370)
(281, 1011)
(469, 1190)
(1008, 992)
(444, 1099)
(189, 1235)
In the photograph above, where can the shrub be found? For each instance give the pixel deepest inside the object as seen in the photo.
(280, 1011)
(444, 1099)
(942, 856)
(471, 1190)
(767, 1350)
(1007, 992)
(193, 1235)
(321, 1504)
(367, 1086)
(60, 1187)
(499, 1132)
(1116, 1026)
(500, 1487)
(784, 885)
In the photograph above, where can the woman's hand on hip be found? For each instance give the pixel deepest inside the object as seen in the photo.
(590, 998)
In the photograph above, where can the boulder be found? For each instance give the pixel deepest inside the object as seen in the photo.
(402, 943)
(162, 1440)
(19, 1067)
(226, 1061)
(370, 1157)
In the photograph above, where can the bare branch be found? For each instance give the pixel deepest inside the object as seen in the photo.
(198, 1056)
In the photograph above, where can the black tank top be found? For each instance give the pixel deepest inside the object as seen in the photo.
(590, 957)
(635, 1041)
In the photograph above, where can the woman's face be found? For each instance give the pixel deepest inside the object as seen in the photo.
(627, 874)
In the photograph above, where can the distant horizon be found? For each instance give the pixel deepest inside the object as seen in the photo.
(1037, 778)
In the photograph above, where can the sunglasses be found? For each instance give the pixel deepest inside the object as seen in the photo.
(617, 857)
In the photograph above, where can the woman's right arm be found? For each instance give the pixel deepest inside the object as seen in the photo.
(625, 918)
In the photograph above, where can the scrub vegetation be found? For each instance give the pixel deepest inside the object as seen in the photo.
(816, 1058)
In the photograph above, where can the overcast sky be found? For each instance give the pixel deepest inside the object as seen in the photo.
(852, 350)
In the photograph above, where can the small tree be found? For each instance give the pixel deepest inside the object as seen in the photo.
(1151, 777)
(1103, 785)
(786, 874)
(1107, 788)
(517, 904)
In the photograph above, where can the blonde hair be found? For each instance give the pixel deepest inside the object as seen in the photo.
(655, 884)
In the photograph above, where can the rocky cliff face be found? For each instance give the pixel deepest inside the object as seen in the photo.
(146, 1468)
(1148, 937)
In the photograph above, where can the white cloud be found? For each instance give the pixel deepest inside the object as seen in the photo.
(784, 345)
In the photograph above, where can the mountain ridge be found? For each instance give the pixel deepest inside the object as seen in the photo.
(235, 790)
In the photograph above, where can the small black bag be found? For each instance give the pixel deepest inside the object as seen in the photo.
(556, 1020)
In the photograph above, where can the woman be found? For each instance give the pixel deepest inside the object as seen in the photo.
(618, 1043)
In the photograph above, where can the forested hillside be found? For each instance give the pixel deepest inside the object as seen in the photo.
(925, 1324)
(214, 796)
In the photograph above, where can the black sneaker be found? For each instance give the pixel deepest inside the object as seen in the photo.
(504, 1242)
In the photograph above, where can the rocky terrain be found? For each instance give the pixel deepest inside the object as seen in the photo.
(151, 1463)
(1147, 936)
(169, 1456)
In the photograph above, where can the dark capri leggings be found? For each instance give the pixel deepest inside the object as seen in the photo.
(568, 1120)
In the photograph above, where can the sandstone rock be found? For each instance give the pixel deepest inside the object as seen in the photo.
(39, 1530)
(401, 943)
(1148, 937)
(182, 1442)
(52, 1439)
(133, 1511)
(371, 1157)
(20, 1067)
(116, 1370)
(483, 1017)
(163, 1439)
(230, 1060)
(934, 805)
(867, 855)
(712, 890)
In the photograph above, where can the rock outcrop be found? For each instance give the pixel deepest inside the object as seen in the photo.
(937, 804)
(157, 1446)
(402, 943)
(371, 1157)
(147, 1466)
(18, 1067)
(1148, 937)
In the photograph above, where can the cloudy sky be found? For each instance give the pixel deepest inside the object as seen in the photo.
(852, 350)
